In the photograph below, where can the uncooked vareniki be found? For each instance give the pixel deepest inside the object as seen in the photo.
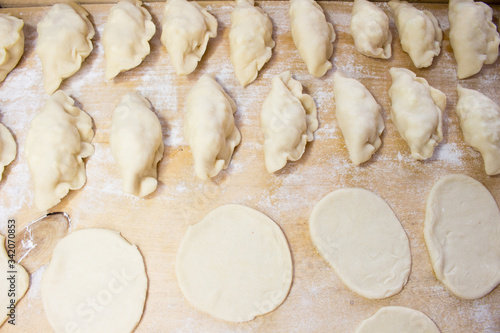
(57, 141)
(250, 40)
(288, 121)
(126, 36)
(187, 28)
(11, 43)
(64, 41)
(312, 34)
(209, 127)
(416, 112)
(398, 319)
(137, 144)
(7, 148)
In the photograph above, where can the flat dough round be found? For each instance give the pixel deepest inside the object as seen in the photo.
(95, 282)
(462, 234)
(361, 238)
(398, 319)
(234, 264)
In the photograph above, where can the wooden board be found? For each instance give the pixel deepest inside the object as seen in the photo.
(318, 301)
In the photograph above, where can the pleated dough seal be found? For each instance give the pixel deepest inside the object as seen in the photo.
(186, 29)
(358, 116)
(126, 36)
(416, 111)
(64, 41)
(57, 142)
(137, 144)
(209, 127)
(312, 35)
(250, 40)
(480, 123)
(7, 148)
(288, 121)
(398, 319)
(11, 43)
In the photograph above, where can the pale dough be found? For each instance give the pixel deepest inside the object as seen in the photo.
(11, 43)
(234, 264)
(7, 148)
(398, 319)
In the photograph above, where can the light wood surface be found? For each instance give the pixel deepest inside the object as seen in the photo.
(318, 301)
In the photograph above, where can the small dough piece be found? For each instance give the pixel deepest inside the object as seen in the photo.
(462, 229)
(7, 148)
(64, 41)
(234, 264)
(11, 43)
(126, 36)
(187, 27)
(358, 116)
(57, 142)
(250, 40)
(398, 319)
(370, 30)
(288, 121)
(473, 36)
(480, 123)
(137, 144)
(312, 34)
(419, 32)
(95, 282)
(416, 112)
(209, 127)
(360, 237)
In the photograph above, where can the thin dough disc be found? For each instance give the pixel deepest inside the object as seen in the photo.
(234, 264)
(361, 238)
(398, 319)
(95, 282)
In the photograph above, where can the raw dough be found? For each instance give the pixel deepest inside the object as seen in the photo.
(57, 141)
(419, 32)
(312, 34)
(64, 41)
(7, 148)
(358, 116)
(11, 43)
(480, 123)
(462, 232)
(234, 264)
(125, 37)
(95, 282)
(370, 30)
(416, 112)
(137, 144)
(209, 127)
(398, 319)
(473, 36)
(361, 238)
(288, 121)
(187, 27)
(250, 40)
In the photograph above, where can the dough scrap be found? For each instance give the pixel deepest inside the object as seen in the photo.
(11, 43)
(461, 230)
(57, 142)
(137, 144)
(7, 148)
(367, 247)
(234, 264)
(95, 282)
(398, 319)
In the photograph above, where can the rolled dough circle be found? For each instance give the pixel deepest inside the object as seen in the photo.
(234, 264)
(398, 319)
(95, 282)
(361, 238)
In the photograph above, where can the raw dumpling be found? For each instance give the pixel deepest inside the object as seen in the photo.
(288, 121)
(480, 123)
(64, 41)
(7, 148)
(370, 30)
(137, 144)
(250, 40)
(398, 319)
(57, 141)
(186, 30)
(125, 37)
(312, 34)
(11, 43)
(419, 32)
(416, 112)
(473, 36)
(209, 127)
(358, 116)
